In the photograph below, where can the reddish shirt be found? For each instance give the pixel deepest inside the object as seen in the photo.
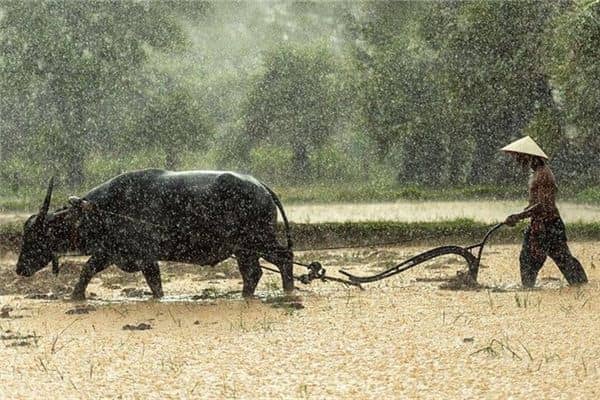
(542, 190)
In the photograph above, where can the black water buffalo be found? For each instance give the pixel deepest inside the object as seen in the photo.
(140, 217)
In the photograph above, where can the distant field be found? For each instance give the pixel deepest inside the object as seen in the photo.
(425, 211)
(405, 211)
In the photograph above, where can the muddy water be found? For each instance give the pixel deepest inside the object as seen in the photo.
(484, 211)
(400, 338)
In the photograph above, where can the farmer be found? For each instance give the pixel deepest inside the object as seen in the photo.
(545, 235)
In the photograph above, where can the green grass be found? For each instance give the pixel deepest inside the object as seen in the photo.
(372, 233)
(10, 236)
(364, 192)
(30, 200)
(460, 232)
(590, 195)
(374, 192)
(327, 235)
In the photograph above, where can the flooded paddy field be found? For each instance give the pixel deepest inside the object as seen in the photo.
(421, 211)
(404, 211)
(401, 337)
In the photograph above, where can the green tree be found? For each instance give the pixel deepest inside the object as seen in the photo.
(293, 104)
(405, 102)
(173, 122)
(575, 47)
(76, 60)
(493, 58)
(383, 37)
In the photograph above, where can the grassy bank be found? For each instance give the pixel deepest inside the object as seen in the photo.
(30, 200)
(361, 192)
(327, 193)
(460, 232)
(327, 235)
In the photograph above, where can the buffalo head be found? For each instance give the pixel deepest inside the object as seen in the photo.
(37, 248)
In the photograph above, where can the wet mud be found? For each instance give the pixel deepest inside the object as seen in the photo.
(421, 333)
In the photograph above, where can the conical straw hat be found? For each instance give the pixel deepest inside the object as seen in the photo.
(525, 145)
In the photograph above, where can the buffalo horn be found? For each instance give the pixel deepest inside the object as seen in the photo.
(46, 205)
(55, 265)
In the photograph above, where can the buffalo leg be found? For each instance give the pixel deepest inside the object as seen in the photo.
(151, 272)
(94, 265)
(251, 272)
(282, 258)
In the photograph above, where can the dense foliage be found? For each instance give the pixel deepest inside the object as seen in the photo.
(420, 93)
(293, 104)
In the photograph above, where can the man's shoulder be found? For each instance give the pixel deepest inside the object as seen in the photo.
(545, 175)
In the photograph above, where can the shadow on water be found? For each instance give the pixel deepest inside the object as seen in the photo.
(461, 283)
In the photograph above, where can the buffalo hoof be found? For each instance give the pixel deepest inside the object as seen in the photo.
(289, 291)
(289, 297)
(288, 286)
(78, 296)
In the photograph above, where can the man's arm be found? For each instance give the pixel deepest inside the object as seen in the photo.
(529, 212)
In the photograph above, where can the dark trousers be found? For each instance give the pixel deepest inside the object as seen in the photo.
(543, 239)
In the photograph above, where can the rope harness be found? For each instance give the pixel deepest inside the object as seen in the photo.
(315, 268)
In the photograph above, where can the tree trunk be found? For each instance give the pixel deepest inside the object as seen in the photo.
(484, 168)
(301, 162)
(74, 150)
(171, 159)
(15, 182)
(382, 148)
(75, 175)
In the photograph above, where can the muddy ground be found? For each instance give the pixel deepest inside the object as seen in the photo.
(402, 337)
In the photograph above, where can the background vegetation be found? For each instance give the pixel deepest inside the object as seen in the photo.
(325, 100)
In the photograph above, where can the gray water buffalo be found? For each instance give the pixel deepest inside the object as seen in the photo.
(140, 217)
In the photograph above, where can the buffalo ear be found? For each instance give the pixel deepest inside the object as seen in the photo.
(83, 204)
(75, 201)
